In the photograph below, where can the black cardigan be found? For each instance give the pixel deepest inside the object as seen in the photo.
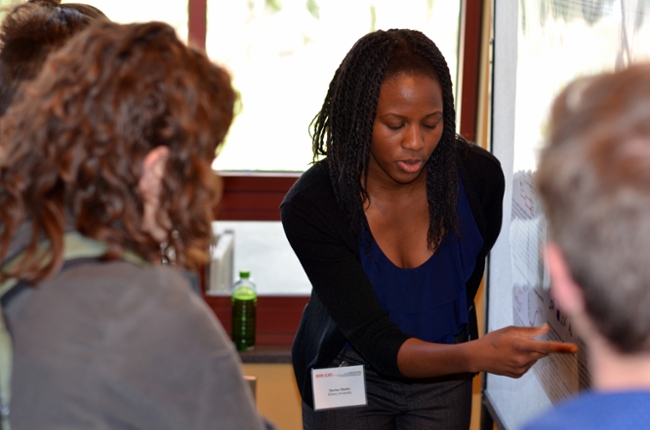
(343, 305)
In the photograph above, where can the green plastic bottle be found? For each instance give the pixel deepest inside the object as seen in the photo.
(244, 303)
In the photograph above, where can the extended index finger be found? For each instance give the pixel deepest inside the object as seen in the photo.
(552, 347)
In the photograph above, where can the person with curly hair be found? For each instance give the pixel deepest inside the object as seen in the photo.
(106, 164)
(392, 225)
(30, 32)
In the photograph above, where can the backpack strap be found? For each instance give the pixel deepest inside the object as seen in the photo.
(76, 247)
(6, 362)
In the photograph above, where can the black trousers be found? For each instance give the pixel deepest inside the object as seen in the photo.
(438, 403)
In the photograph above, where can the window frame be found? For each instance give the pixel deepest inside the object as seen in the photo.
(256, 196)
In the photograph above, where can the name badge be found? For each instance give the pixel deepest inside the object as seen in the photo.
(338, 387)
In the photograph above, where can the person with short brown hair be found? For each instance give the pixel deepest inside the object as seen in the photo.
(594, 180)
(106, 166)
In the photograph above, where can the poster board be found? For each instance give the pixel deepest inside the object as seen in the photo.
(540, 46)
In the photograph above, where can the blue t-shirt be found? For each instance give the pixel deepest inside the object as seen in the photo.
(429, 302)
(598, 411)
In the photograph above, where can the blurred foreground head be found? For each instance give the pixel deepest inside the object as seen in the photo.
(594, 178)
(31, 31)
(77, 147)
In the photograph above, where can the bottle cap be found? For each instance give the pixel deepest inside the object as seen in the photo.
(244, 274)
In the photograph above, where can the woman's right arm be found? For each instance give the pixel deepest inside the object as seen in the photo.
(510, 351)
(316, 231)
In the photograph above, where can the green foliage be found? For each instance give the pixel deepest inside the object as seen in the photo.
(273, 5)
(641, 11)
(314, 10)
(429, 9)
(592, 10)
(589, 10)
(562, 9)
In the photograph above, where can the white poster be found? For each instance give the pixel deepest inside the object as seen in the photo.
(560, 375)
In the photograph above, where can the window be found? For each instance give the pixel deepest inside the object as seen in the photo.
(282, 55)
(561, 40)
(174, 12)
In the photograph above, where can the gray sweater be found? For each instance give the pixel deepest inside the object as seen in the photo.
(114, 345)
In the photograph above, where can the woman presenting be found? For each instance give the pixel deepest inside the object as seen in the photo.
(392, 227)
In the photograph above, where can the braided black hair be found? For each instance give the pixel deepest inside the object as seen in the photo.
(342, 130)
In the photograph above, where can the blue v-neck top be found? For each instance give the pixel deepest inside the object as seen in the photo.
(429, 302)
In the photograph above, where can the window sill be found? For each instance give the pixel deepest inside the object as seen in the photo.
(277, 317)
(267, 354)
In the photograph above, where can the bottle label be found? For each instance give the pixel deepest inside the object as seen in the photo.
(243, 323)
(338, 387)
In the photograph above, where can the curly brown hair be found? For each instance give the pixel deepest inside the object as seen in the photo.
(74, 145)
(31, 31)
